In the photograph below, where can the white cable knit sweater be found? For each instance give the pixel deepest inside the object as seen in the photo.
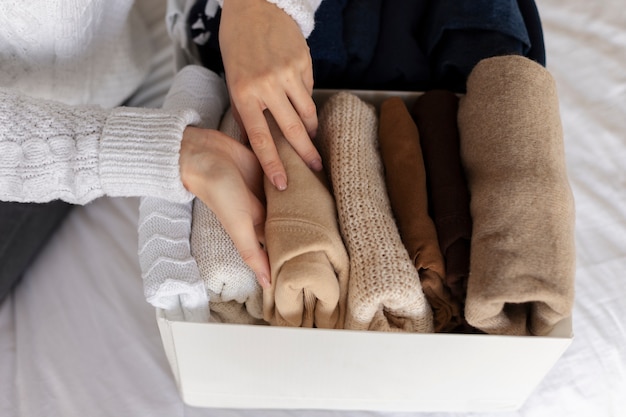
(63, 65)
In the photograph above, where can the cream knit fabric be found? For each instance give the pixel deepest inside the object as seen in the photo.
(384, 290)
(226, 276)
(308, 259)
(522, 258)
(74, 51)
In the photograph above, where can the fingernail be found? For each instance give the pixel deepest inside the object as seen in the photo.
(280, 182)
(316, 165)
(264, 280)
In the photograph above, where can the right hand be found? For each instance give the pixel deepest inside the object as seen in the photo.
(227, 177)
(268, 67)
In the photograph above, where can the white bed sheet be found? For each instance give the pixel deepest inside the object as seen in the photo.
(78, 339)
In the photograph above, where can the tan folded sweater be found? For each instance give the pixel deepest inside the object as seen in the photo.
(308, 260)
(384, 290)
(522, 259)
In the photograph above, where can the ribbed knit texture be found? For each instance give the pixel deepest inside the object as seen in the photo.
(224, 273)
(405, 177)
(140, 149)
(170, 274)
(522, 257)
(308, 260)
(384, 291)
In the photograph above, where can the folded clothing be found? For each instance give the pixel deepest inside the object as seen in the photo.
(522, 255)
(435, 113)
(226, 276)
(384, 290)
(405, 177)
(308, 260)
(170, 274)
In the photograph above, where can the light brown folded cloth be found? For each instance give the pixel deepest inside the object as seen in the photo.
(308, 260)
(522, 257)
(232, 312)
(405, 178)
(384, 290)
(226, 276)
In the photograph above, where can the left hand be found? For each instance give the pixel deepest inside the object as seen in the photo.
(268, 67)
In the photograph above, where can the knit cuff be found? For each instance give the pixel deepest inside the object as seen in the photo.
(302, 11)
(139, 153)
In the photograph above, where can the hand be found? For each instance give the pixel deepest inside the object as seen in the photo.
(227, 177)
(268, 66)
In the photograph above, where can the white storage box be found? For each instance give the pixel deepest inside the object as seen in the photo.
(241, 366)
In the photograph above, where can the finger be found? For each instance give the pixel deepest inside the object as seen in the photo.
(307, 78)
(262, 143)
(237, 118)
(250, 169)
(305, 106)
(294, 131)
(258, 218)
(242, 215)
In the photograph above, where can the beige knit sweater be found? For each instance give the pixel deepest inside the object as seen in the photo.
(384, 290)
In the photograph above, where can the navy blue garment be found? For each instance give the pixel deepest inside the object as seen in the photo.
(24, 230)
(399, 63)
(328, 51)
(361, 27)
(459, 34)
(204, 24)
(537, 51)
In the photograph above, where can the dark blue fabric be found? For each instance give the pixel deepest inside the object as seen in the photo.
(361, 27)
(399, 62)
(204, 33)
(24, 230)
(459, 34)
(537, 51)
(328, 51)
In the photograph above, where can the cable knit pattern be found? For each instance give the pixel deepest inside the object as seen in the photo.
(52, 151)
(170, 273)
(227, 277)
(48, 150)
(384, 291)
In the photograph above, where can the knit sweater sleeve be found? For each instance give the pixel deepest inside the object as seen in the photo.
(302, 11)
(49, 151)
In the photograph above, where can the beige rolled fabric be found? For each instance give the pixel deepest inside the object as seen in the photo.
(308, 260)
(384, 290)
(522, 258)
(227, 277)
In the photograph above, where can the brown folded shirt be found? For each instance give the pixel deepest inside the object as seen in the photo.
(384, 287)
(308, 260)
(522, 259)
(435, 113)
(405, 178)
